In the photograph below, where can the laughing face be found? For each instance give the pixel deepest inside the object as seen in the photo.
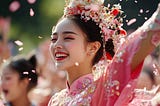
(69, 46)
(12, 87)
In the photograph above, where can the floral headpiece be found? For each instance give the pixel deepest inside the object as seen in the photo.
(108, 18)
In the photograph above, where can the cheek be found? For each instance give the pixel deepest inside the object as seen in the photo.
(77, 49)
(77, 52)
(51, 49)
(12, 83)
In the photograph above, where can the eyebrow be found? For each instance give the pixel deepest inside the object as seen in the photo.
(65, 32)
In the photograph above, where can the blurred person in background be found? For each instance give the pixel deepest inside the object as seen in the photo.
(18, 77)
(4, 49)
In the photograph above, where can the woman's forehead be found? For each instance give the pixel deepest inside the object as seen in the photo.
(66, 25)
(8, 71)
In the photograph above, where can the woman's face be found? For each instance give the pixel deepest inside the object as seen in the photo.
(69, 46)
(12, 87)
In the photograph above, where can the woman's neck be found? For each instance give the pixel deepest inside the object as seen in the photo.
(23, 101)
(77, 72)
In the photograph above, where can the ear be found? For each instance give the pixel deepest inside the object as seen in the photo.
(93, 47)
(25, 82)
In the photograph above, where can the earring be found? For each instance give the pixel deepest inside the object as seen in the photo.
(91, 53)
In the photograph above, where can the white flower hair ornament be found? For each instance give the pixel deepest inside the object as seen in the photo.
(108, 18)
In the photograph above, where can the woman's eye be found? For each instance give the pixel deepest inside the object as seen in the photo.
(54, 40)
(69, 38)
(7, 78)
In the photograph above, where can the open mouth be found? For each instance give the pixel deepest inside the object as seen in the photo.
(5, 92)
(60, 56)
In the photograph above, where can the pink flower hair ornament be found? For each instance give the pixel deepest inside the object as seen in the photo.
(108, 18)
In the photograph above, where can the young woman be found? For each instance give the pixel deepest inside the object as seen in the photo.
(18, 78)
(97, 77)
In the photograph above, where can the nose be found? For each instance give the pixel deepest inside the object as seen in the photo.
(57, 45)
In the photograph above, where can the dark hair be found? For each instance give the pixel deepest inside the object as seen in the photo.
(92, 30)
(26, 68)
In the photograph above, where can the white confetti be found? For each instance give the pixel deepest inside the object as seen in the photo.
(139, 14)
(131, 21)
(141, 10)
(33, 71)
(31, 1)
(19, 43)
(14, 6)
(25, 73)
(145, 18)
(147, 11)
(136, 1)
(20, 49)
(40, 37)
(31, 12)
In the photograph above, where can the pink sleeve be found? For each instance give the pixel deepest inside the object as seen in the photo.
(122, 65)
(115, 86)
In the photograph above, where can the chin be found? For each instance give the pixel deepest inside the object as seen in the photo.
(59, 66)
(64, 66)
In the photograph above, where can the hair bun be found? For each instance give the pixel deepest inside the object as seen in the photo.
(109, 47)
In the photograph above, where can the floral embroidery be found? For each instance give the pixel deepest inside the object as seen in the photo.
(81, 93)
(119, 56)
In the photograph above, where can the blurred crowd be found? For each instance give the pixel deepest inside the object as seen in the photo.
(49, 79)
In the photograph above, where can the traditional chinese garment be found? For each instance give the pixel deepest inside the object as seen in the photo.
(112, 85)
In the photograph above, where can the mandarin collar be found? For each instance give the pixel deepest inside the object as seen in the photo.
(80, 84)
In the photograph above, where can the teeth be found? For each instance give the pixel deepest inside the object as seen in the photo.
(60, 55)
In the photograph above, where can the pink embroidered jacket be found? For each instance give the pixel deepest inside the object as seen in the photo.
(112, 87)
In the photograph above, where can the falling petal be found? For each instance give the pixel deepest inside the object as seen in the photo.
(139, 14)
(109, 5)
(131, 21)
(145, 18)
(136, 1)
(14, 6)
(40, 37)
(141, 10)
(31, 12)
(33, 71)
(20, 49)
(147, 11)
(31, 1)
(19, 43)
(25, 73)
